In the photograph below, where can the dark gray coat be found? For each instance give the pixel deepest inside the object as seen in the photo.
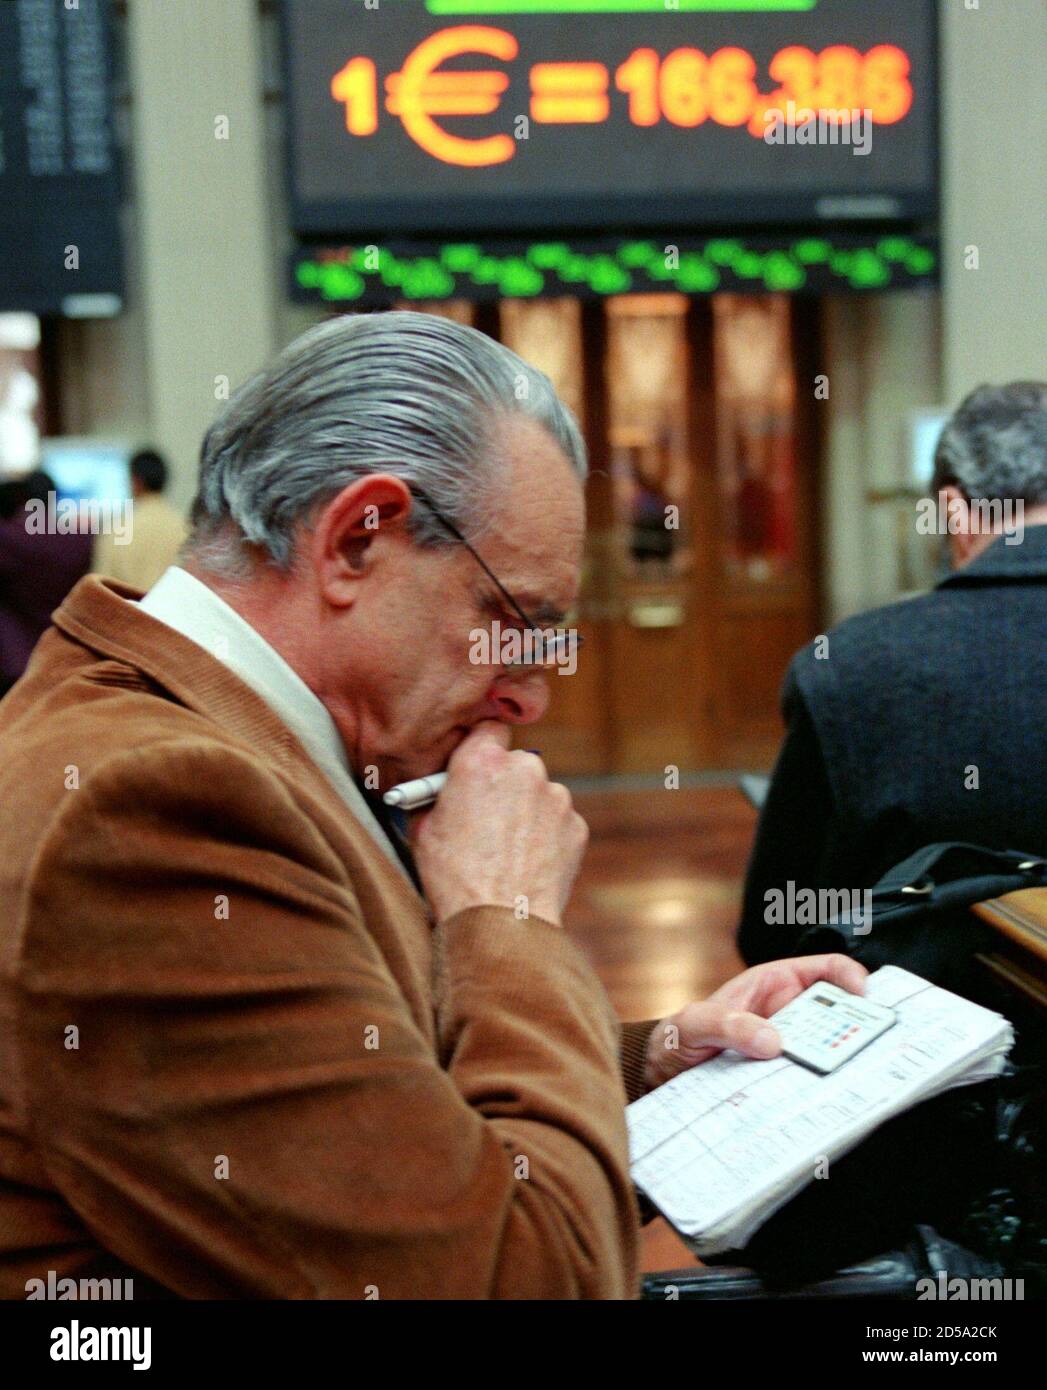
(925, 722)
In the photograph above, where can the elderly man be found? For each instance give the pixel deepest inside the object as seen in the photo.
(922, 722)
(251, 1044)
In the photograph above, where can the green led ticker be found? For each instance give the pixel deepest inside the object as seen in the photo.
(554, 266)
(478, 7)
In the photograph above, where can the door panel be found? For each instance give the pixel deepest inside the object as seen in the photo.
(765, 483)
(560, 337)
(700, 568)
(651, 561)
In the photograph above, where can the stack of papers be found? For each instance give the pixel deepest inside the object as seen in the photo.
(720, 1148)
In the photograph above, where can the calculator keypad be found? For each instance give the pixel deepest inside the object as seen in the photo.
(825, 1026)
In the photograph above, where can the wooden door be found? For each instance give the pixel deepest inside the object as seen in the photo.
(761, 542)
(700, 569)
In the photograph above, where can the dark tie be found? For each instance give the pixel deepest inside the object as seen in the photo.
(394, 822)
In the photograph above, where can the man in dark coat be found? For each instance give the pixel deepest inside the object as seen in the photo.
(924, 721)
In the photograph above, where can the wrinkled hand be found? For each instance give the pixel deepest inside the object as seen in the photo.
(735, 1016)
(500, 832)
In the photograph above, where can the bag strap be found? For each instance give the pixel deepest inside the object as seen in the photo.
(950, 862)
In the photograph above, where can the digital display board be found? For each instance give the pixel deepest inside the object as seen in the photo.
(59, 184)
(592, 267)
(423, 117)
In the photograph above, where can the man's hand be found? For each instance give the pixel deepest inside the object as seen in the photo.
(500, 832)
(735, 1015)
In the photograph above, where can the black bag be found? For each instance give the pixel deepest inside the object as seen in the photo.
(892, 1274)
(920, 914)
(970, 1162)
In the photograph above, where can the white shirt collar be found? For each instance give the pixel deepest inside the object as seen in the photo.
(182, 602)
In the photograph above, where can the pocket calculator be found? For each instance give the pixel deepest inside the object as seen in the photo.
(825, 1026)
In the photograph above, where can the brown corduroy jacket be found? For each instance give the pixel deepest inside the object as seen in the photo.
(236, 1057)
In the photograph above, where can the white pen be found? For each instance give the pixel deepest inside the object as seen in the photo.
(419, 792)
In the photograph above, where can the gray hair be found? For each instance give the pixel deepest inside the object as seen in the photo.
(410, 394)
(995, 445)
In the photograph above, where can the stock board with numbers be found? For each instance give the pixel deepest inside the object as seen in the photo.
(424, 117)
(59, 182)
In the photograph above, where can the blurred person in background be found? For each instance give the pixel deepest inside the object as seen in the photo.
(37, 570)
(921, 722)
(157, 532)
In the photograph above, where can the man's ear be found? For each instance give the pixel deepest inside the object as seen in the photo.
(953, 507)
(368, 510)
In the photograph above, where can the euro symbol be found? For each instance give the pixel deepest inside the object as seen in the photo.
(417, 93)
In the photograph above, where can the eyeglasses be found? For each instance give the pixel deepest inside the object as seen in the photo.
(546, 652)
